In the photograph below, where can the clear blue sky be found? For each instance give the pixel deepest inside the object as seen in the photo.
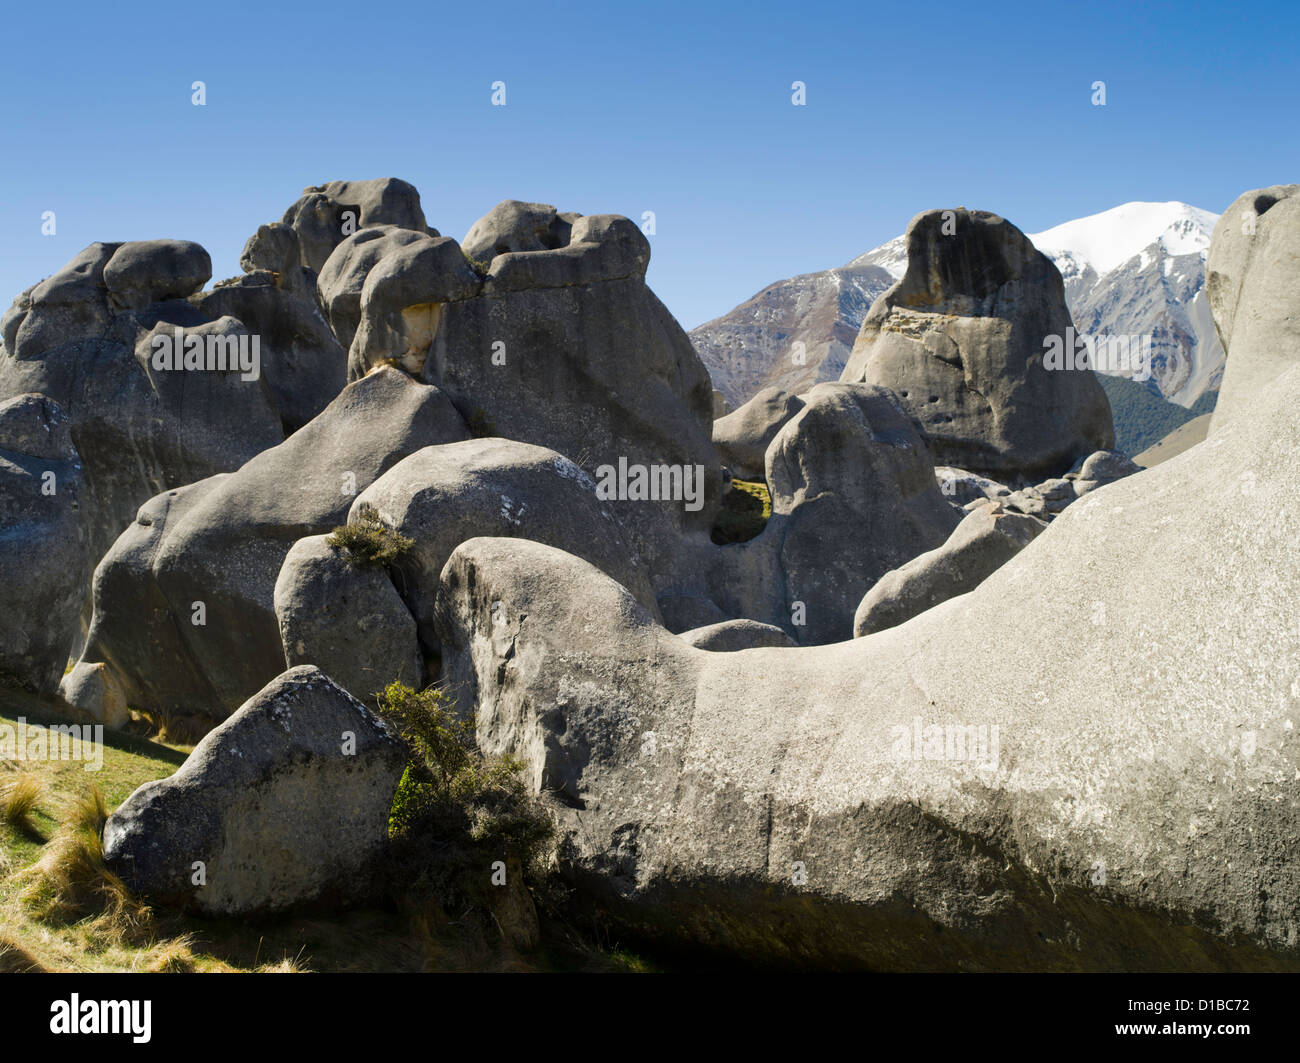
(679, 108)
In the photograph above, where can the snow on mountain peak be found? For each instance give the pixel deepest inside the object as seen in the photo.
(1109, 239)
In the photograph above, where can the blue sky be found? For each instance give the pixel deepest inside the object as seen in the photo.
(679, 108)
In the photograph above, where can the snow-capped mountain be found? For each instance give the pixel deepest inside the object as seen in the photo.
(1136, 269)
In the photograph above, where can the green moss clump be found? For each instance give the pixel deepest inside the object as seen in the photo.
(368, 540)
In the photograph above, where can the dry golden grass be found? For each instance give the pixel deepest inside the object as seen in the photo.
(71, 883)
(18, 799)
(14, 959)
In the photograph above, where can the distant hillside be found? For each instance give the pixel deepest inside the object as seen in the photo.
(1143, 418)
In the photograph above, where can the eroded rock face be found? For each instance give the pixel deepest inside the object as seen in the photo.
(567, 348)
(108, 338)
(961, 340)
(43, 542)
(184, 601)
(742, 437)
(327, 214)
(923, 803)
(983, 542)
(284, 804)
(345, 616)
(853, 496)
(1250, 272)
(443, 495)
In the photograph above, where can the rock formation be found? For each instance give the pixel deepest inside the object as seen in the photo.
(961, 340)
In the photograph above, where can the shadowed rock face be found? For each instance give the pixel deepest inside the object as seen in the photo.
(284, 804)
(43, 542)
(220, 543)
(960, 339)
(918, 799)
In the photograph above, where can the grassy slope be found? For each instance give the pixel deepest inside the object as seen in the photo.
(364, 940)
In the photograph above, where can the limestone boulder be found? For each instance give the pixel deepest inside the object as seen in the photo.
(983, 542)
(44, 548)
(743, 436)
(184, 601)
(285, 804)
(961, 339)
(340, 614)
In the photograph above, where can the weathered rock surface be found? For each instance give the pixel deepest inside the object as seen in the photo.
(284, 804)
(925, 803)
(184, 601)
(742, 437)
(43, 542)
(982, 543)
(732, 635)
(345, 617)
(567, 348)
(440, 496)
(961, 339)
(1249, 273)
(327, 214)
(853, 496)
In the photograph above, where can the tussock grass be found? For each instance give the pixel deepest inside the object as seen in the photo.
(71, 883)
(368, 540)
(18, 800)
(14, 959)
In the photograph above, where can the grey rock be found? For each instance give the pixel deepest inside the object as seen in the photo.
(853, 496)
(344, 273)
(1250, 271)
(743, 436)
(43, 543)
(1157, 791)
(327, 214)
(732, 635)
(442, 495)
(285, 804)
(222, 541)
(981, 544)
(686, 612)
(516, 226)
(961, 340)
(143, 272)
(402, 303)
(346, 618)
(93, 691)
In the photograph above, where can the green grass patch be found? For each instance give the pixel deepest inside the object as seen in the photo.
(368, 540)
(745, 510)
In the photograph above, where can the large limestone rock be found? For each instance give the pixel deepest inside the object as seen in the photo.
(567, 348)
(347, 617)
(327, 214)
(89, 338)
(742, 437)
(344, 273)
(443, 495)
(1249, 273)
(853, 496)
(43, 542)
(184, 601)
(284, 804)
(927, 801)
(983, 542)
(961, 339)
